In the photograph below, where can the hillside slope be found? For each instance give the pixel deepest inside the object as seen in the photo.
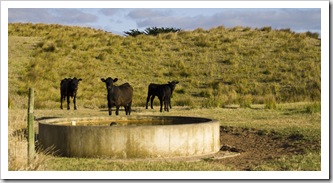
(215, 67)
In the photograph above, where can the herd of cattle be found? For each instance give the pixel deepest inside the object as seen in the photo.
(120, 95)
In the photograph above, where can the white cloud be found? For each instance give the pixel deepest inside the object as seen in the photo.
(147, 13)
(73, 16)
(110, 11)
(184, 18)
(29, 15)
(45, 15)
(296, 19)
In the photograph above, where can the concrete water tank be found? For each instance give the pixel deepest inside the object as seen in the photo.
(131, 137)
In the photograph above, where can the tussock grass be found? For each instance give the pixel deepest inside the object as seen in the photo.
(18, 146)
(242, 64)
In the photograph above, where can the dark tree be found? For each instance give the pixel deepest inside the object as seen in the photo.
(151, 31)
(133, 32)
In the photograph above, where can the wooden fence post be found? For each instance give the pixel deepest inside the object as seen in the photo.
(31, 134)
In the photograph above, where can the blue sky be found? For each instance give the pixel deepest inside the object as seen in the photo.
(118, 20)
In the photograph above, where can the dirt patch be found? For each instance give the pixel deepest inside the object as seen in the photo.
(256, 146)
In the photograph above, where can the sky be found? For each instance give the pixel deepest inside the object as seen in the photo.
(118, 20)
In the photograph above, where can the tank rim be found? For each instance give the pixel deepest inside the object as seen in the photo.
(56, 120)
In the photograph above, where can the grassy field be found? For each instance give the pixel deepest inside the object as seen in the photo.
(261, 81)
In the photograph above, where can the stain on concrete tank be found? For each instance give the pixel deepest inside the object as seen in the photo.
(131, 137)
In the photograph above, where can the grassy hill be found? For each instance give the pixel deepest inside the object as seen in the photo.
(215, 67)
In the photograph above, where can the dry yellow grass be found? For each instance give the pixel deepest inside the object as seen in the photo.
(18, 145)
(214, 68)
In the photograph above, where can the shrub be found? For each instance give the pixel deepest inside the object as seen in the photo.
(102, 56)
(227, 40)
(206, 93)
(312, 35)
(133, 32)
(151, 31)
(49, 47)
(246, 29)
(202, 41)
(286, 30)
(185, 102)
(270, 102)
(313, 108)
(245, 101)
(267, 29)
(180, 91)
(211, 102)
(185, 73)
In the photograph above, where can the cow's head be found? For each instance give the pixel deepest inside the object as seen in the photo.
(109, 82)
(74, 84)
(172, 84)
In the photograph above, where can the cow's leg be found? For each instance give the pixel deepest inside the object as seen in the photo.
(61, 99)
(148, 97)
(129, 108)
(117, 110)
(74, 101)
(161, 104)
(109, 107)
(152, 101)
(167, 104)
(68, 102)
(170, 103)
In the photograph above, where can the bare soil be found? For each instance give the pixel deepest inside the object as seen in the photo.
(256, 146)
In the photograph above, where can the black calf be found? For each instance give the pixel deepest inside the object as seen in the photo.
(68, 88)
(118, 95)
(164, 93)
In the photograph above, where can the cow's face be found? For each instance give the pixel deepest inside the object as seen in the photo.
(109, 82)
(173, 84)
(75, 83)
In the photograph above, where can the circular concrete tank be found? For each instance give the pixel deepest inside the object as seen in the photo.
(131, 137)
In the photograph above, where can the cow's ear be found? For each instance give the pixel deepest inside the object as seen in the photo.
(169, 82)
(115, 80)
(80, 79)
(177, 82)
(103, 79)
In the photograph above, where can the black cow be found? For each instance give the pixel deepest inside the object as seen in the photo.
(118, 95)
(156, 89)
(68, 88)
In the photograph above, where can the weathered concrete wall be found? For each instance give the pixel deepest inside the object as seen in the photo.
(196, 136)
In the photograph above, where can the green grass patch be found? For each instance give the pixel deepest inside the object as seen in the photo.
(308, 162)
(95, 164)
